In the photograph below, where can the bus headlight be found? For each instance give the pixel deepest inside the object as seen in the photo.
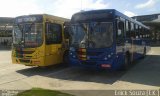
(71, 53)
(109, 56)
(105, 58)
(74, 56)
(72, 49)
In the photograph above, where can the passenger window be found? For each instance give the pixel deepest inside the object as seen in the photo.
(120, 29)
(128, 28)
(133, 35)
(120, 32)
(137, 31)
(140, 32)
(53, 33)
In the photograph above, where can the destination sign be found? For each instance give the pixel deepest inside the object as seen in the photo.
(28, 19)
(97, 15)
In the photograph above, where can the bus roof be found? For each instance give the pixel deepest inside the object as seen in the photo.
(40, 17)
(129, 19)
(105, 13)
(56, 17)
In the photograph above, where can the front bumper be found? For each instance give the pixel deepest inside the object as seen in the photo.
(91, 64)
(29, 62)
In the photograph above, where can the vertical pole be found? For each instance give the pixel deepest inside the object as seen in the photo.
(81, 5)
(132, 49)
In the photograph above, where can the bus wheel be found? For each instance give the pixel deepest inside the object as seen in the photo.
(66, 59)
(127, 61)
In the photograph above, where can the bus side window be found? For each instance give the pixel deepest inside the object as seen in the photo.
(128, 28)
(148, 34)
(140, 32)
(120, 32)
(53, 33)
(144, 33)
(67, 30)
(132, 30)
(137, 30)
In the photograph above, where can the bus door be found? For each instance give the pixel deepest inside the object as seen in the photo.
(53, 47)
(120, 37)
(133, 42)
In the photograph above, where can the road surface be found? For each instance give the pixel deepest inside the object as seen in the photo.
(144, 75)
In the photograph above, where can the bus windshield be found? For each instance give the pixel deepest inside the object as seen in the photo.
(27, 35)
(92, 35)
(78, 35)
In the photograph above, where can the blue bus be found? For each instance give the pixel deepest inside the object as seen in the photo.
(106, 39)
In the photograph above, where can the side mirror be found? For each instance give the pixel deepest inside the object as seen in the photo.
(66, 32)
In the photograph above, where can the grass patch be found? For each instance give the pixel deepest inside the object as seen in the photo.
(42, 92)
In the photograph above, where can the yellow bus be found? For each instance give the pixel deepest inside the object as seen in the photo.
(39, 40)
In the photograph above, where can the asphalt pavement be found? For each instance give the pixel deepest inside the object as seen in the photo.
(143, 75)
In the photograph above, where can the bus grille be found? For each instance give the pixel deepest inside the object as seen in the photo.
(28, 52)
(25, 52)
(19, 55)
(22, 54)
(24, 61)
(89, 63)
(94, 53)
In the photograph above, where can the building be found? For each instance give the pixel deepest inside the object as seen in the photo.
(6, 25)
(153, 21)
(146, 18)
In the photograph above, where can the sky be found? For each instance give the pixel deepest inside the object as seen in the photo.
(66, 8)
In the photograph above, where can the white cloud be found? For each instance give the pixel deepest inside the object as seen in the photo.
(66, 8)
(129, 13)
(99, 4)
(12, 8)
(63, 8)
(148, 4)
